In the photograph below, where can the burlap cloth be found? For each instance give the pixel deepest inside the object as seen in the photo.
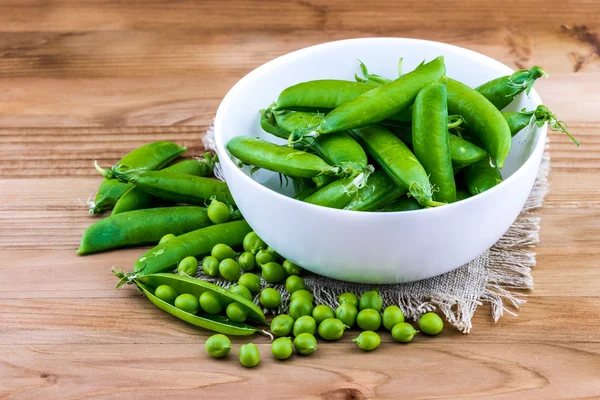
(498, 277)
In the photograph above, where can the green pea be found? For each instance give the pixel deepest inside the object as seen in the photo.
(290, 268)
(242, 291)
(305, 343)
(247, 261)
(300, 307)
(347, 314)
(367, 340)
(218, 345)
(211, 302)
(166, 293)
(165, 238)
(263, 257)
(270, 298)
(368, 320)
(273, 272)
(222, 251)
(322, 312)
(210, 266)
(251, 281)
(249, 355)
(348, 298)
(218, 212)
(236, 312)
(392, 316)
(275, 254)
(229, 269)
(282, 348)
(282, 325)
(370, 300)
(302, 293)
(293, 283)
(331, 329)
(431, 323)
(187, 302)
(403, 332)
(305, 324)
(253, 243)
(188, 266)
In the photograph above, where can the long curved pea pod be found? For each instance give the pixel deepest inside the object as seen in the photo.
(481, 176)
(431, 142)
(517, 121)
(150, 156)
(482, 117)
(396, 159)
(137, 199)
(173, 186)
(141, 227)
(195, 243)
(291, 162)
(379, 191)
(321, 94)
(335, 195)
(502, 91)
(402, 204)
(185, 284)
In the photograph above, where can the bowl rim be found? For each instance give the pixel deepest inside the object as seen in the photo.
(264, 68)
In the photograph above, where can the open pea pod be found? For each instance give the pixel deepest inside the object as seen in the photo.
(214, 323)
(185, 284)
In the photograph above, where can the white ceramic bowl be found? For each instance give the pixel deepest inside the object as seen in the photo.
(361, 246)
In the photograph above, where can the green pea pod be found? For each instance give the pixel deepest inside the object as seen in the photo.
(137, 199)
(321, 94)
(502, 91)
(379, 191)
(303, 194)
(431, 141)
(481, 176)
(291, 162)
(186, 284)
(402, 204)
(173, 186)
(267, 122)
(462, 194)
(150, 156)
(335, 195)
(195, 243)
(141, 227)
(517, 121)
(397, 161)
(378, 104)
(482, 117)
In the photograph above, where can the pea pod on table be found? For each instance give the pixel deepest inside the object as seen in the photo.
(502, 91)
(150, 156)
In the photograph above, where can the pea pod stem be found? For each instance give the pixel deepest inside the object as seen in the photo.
(517, 121)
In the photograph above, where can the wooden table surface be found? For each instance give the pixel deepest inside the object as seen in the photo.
(89, 80)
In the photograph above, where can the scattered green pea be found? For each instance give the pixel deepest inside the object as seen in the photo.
(282, 325)
(368, 319)
(282, 348)
(305, 324)
(305, 343)
(348, 298)
(370, 300)
(249, 355)
(392, 316)
(218, 345)
(273, 272)
(247, 261)
(211, 302)
(165, 238)
(222, 251)
(347, 314)
(188, 266)
(300, 307)
(270, 298)
(166, 293)
(236, 312)
(229, 269)
(403, 332)
(367, 340)
(290, 268)
(218, 212)
(263, 257)
(187, 302)
(210, 266)
(302, 293)
(331, 329)
(293, 283)
(431, 323)
(272, 251)
(242, 291)
(253, 243)
(251, 281)
(322, 312)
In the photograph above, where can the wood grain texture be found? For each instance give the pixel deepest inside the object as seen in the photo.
(89, 80)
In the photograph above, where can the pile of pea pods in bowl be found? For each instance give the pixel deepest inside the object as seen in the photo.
(382, 160)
